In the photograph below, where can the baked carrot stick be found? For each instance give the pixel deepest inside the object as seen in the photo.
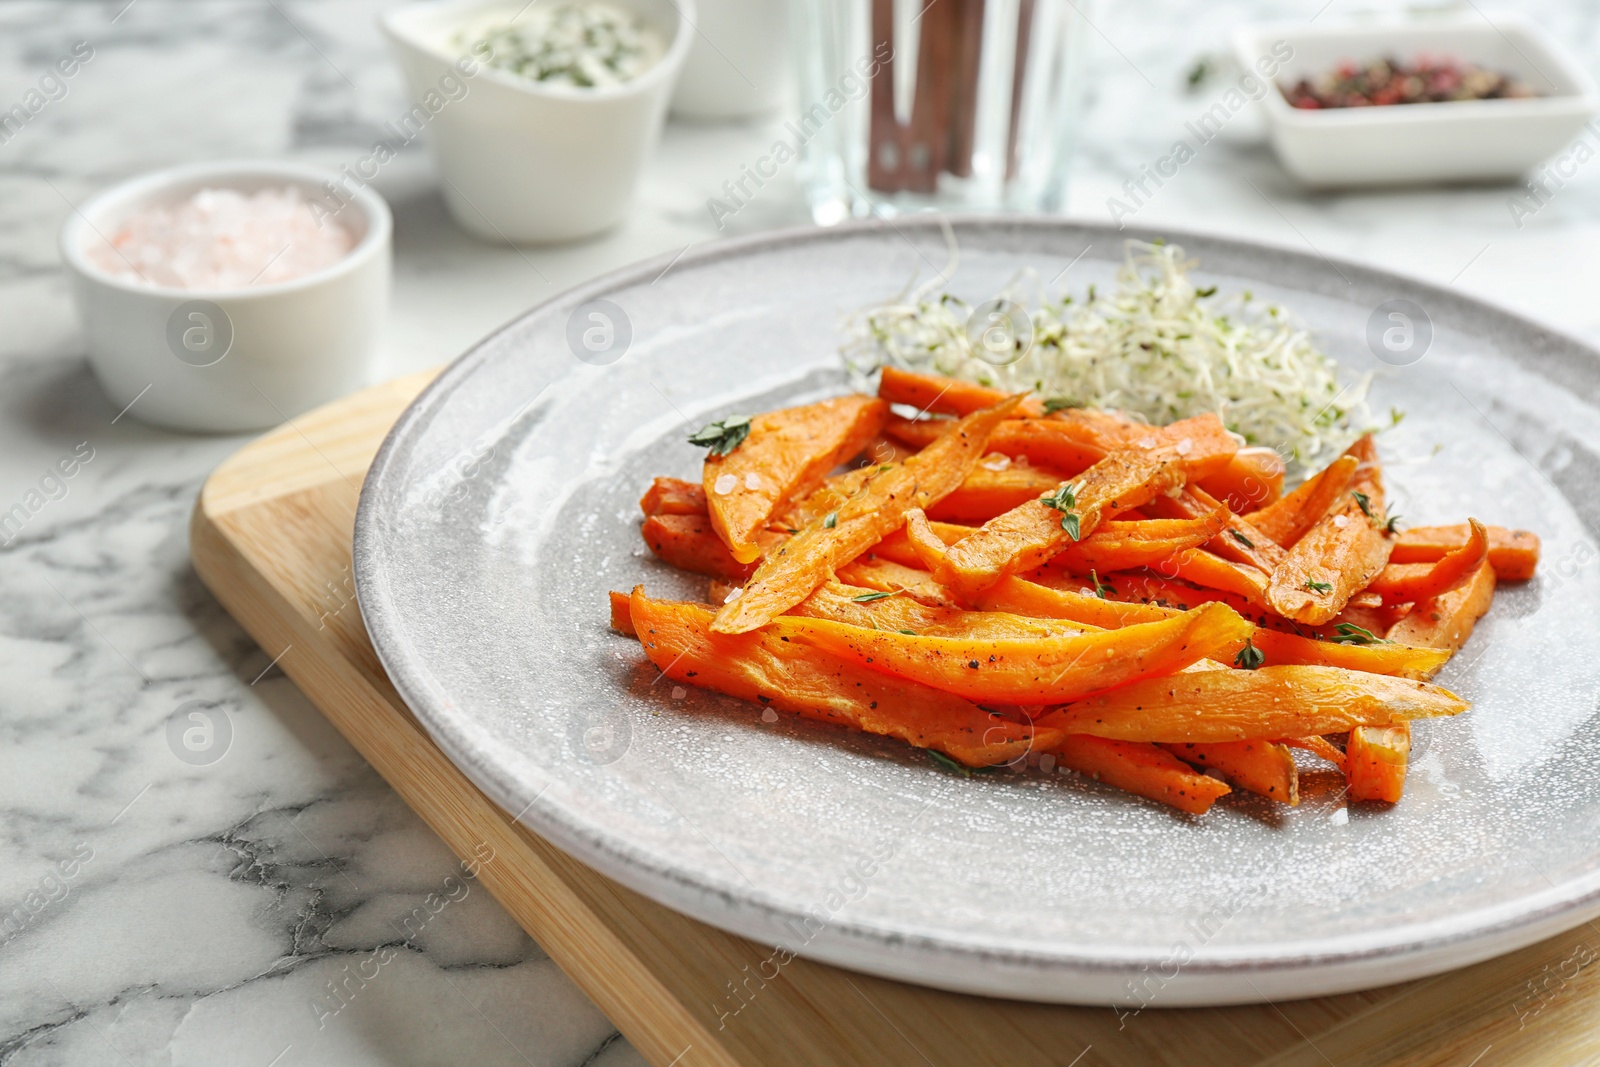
(888, 576)
(1447, 621)
(1144, 770)
(1252, 479)
(1392, 658)
(1213, 572)
(1375, 762)
(1288, 519)
(1339, 556)
(1238, 540)
(689, 543)
(1120, 545)
(1321, 747)
(1206, 706)
(1514, 553)
(804, 562)
(1045, 442)
(760, 668)
(1026, 670)
(1262, 767)
(1031, 533)
(673, 496)
(986, 493)
(947, 396)
(1407, 583)
(622, 614)
(784, 455)
(859, 606)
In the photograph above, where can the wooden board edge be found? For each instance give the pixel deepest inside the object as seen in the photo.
(536, 895)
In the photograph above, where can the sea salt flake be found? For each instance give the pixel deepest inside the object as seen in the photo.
(1184, 447)
(996, 462)
(752, 481)
(1147, 442)
(679, 692)
(1341, 521)
(1340, 816)
(223, 239)
(733, 594)
(769, 715)
(725, 484)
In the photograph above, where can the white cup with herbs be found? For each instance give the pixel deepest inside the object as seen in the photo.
(540, 115)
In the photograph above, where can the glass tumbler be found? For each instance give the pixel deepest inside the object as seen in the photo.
(906, 105)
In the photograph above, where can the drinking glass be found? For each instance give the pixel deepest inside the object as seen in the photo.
(906, 105)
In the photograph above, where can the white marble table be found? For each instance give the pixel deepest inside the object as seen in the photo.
(157, 912)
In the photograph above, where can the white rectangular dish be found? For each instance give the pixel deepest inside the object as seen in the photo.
(1466, 141)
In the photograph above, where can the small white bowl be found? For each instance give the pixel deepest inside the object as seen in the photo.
(522, 161)
(229, 360)
(1465, 141)
(739, 65)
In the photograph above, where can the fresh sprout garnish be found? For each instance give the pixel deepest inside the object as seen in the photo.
(722, 436)
(1250, 657)
(1351, 634)
(1154, 345)
(1101, 588)
(1064, 500)
(1319, 587)
(1054, 404)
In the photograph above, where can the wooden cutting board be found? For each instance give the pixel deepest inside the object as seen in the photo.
(271, 537)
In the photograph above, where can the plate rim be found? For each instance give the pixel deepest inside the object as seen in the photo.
(925, 956)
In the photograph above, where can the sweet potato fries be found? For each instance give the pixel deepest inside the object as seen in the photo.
(998, 584)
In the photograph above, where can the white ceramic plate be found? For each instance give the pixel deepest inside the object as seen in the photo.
(503, 508)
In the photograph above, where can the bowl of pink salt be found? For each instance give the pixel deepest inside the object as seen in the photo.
(230, 296)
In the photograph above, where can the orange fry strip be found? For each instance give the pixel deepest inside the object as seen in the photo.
(1027, 670)
(887, 576)
(847, 604)
(1213, 572)
(673, 496)
(1514, 553)
(1042, 441)
(1401, 661)
(786, 455)
(1031, 533)
(1288, 519)
(678, 639)
(877, 509)
(689, 543)
(1375, 762)
(1237, 539)
(1252, 479)
(1144, 770)
(1206, 706)
(1319, 746)
(987, 493)
(1407, 583)
(1119, 546)
(1339, 556)
(622, 614)
(1447, 621)
(946, 396)
(1263, 767)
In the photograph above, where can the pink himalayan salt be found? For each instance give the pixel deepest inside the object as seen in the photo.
(222, 239)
